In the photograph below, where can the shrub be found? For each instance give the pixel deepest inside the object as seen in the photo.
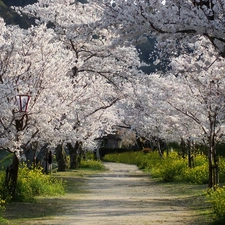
(32, 182)
(4, 197)
(150, 160)
(92, 164)
(222, 169)
(200, 160)
(89, 155)
(4, 193)
(2, 205)
(169, 168)
(217, 199)
(196, 175)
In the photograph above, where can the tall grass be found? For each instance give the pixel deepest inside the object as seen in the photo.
(171, 167)
(89, 162)
(217, 200)
(2, 205)
(92, 164)
(31, 183)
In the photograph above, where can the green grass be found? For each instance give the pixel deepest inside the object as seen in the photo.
(18, 213)
(173, 172)
(76, 178)
(169, 168)
(92, 164)
(192, 196)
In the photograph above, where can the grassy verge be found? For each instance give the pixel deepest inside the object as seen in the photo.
(18, 213)
(190, 184)
(192, 196)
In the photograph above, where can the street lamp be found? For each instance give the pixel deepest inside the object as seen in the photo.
(22, 102)
(12, 171)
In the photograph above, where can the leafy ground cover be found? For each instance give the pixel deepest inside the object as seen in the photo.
(47, 206)
(33, 187)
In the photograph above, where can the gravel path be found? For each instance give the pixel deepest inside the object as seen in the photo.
(123, 195)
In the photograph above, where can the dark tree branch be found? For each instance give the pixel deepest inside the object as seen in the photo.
(104, 107)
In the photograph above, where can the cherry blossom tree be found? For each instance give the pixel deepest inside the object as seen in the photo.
(191, 31)
(204, 76)
(31, 63)
(151, 116)
(174, 23)
(102, 68)
(190, 102)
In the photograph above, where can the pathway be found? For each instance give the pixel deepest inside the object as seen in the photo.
(123, 195)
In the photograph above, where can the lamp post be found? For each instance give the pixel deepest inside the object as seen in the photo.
(22, 102)
(12, 171)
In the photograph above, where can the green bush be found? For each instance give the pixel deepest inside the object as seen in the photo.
(171, 167)
(92, 164)
(4, 193)
(217, 199)
(196, 175)
(200, 160)
(89, 155)
(2, 205)
(149, 161)
(31, 183)
(36, 183)
(222, 169)
(175, 168)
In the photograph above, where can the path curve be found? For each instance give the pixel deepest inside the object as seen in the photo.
(123, 195)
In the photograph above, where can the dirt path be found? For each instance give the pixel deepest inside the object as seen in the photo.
(122, 196)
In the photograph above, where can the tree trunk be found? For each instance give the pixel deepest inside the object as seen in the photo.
(80, 152)
(12, 175)
(189, 155)
(139, 142)
(159, 148)
(73, 155)
(214, 167)
(61, 158)
(183, 148)
(46, 162)
(210, 174)
(212, 156)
